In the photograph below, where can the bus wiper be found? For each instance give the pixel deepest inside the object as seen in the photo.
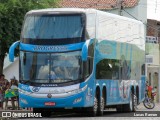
(27, 81)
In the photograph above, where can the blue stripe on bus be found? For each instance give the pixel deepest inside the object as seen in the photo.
(11, 51)
(85, 49)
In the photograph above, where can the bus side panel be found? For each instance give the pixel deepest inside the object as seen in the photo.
(143, 88)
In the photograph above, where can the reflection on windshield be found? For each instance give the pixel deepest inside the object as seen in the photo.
(50, 68)
(52, 27)
(65, 67)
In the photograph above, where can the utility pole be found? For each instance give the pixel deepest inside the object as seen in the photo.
(156, 7)
(120, 7)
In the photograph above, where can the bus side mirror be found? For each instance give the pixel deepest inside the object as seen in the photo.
(85, 50)
(11, 51)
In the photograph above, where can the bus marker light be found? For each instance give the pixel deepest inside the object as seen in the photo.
(77, 100)
(24, 101)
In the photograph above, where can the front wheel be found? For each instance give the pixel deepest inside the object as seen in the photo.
(135, 102)
(130, 107)
(101, 104)
(92, 111)
(149, 103)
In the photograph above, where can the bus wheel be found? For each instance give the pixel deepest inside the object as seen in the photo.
(135, 102)
(93, 110)
(101, 106)
(129, 107)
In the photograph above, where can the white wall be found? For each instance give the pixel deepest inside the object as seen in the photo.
(153, 50)
(154, 79)
(12, 70)
(139, 11)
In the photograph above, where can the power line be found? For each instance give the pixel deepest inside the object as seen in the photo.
(156, 7)
(130, 14)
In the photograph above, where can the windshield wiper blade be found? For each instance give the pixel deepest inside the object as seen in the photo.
(27, 81)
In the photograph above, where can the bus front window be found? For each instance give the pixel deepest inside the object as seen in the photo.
(53, 29)
(51, 67)
(65, 66)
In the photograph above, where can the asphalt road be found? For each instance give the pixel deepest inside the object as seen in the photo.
(109, 114)
(106, 116)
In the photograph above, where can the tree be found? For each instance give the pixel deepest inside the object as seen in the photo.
(12, 13)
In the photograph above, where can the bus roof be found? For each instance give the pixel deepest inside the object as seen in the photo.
(82, 10)
(72, 10)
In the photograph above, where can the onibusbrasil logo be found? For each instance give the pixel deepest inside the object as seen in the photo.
(20, 115)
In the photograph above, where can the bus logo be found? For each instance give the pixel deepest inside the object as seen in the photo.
(50, 48)
(36, 89)
(6, 114)
(49, 95)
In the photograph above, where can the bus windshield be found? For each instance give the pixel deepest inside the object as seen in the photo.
(50, 67)
(50, 28)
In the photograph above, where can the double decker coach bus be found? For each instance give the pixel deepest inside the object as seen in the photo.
(74, 58)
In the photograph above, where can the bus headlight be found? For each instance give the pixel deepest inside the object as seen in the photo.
(78, 90)
(23, 101)
(77, 100)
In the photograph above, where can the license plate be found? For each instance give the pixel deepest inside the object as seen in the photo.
(50, 103)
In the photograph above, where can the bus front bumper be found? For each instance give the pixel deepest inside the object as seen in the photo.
(50, 101)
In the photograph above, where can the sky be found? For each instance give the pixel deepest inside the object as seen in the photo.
(153, 9)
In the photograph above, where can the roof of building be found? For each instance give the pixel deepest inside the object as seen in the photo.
(98, 4)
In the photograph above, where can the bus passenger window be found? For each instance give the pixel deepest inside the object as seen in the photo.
(143, 69)
(108, 69)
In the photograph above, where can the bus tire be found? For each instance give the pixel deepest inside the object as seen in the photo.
(135, 102)
(94, 109)
(129, 107)
(101, 106)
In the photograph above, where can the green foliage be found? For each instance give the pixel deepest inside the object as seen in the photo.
(12, 13)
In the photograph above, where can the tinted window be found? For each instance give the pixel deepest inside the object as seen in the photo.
(50, 67)
(113, 69)
(53, 29)
(108, 69)
(88, 65)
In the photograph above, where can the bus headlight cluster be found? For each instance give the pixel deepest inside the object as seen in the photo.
(77, 100)
(77, 90)
(24, 101)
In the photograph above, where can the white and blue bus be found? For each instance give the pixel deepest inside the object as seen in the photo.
(84, 59)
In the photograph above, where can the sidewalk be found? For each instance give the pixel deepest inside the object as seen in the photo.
(10, 107)
(142, 108)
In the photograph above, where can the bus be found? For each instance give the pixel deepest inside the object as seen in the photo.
(80, 59)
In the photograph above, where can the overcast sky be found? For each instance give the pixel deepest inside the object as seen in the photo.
(153, 9)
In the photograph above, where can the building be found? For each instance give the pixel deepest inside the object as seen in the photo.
(129, 8)
(152, 64)
(153, 55)
(153, 29)
(98, 4)
(11, 69)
